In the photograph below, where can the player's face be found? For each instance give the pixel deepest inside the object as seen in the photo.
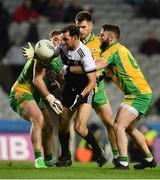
(68, 40)
(56, 39)
(104, 37)
(85, 28)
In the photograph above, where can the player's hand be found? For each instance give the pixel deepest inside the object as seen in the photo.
(65, 69)
(77, 101)
(55, 104)
(28, 52)
(100, 78)
(56, 51)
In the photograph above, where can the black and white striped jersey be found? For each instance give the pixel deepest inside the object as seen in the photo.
(78, 57)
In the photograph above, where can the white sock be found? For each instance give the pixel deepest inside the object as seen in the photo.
(149, 159)
(124, 163)
(115, 156)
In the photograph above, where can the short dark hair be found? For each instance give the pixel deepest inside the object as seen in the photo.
(72, 29)
(84, 15)
(112, 28)
(54, 33)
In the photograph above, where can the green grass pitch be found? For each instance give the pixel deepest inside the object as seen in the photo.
(26, 170)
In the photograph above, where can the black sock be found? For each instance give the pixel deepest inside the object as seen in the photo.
(92, 141)
(48, 157)
(64, 142)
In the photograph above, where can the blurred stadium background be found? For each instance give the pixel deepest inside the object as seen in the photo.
(135, 26)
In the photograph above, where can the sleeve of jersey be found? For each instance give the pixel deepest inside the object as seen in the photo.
(110, 59)
(88, 62)
(57, 65)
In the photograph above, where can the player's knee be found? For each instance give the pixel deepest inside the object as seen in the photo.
(80, 129)
(131, 130)
(64, 123)
(63, 127)
(48, 129)
(109, 125)
(38, 121)
(118, 127)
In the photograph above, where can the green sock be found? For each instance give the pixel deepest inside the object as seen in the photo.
(37, 153)
(123, 160)
(115, 153)
(149, 155)
(48, 157)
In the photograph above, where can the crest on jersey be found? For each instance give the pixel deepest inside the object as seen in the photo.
(94, 49)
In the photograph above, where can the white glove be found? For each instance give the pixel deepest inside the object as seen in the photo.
(28, 52)
(56, 51)
(64, 70)
(55, 104)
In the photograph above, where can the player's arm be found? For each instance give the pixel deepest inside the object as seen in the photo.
(76, 69)
(100, 65)
(90, 70)
(91, 83)
(80, 70)
(38, 75)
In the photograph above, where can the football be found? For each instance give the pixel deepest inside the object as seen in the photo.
(44, 49)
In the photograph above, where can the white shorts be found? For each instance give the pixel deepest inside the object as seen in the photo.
(130, 108)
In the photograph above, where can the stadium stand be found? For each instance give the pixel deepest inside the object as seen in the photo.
(132, 33)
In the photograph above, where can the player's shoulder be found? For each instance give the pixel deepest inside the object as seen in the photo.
(97, 39)
(122, 48)
(83, 49)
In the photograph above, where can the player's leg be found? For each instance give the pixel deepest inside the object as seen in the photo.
(47, 138)
(55, 122)
(31, 112)
(64, 138)
(142, 104)
(123, 119)
(68, 97)
(81, 120)
(103, 109)
(140, 141)
(105, 114)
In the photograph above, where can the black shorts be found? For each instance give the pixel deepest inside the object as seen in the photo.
(69, 95)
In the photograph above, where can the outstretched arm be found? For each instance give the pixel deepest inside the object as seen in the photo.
(100, 65)
(80, 70)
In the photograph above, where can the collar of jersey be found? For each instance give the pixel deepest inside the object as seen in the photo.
(92, 36)
(112, 44)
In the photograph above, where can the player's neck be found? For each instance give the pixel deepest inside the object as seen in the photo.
(86, 39)
(77, 43)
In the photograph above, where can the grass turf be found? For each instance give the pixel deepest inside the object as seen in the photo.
(26, 170)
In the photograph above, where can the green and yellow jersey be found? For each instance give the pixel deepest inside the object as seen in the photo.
(55, 65)
(24, 90)
(100, 96)
(124, 70)
(93, 44)
(24, 81)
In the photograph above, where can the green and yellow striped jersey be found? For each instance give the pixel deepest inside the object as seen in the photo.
(25, 79)
(124, 70)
